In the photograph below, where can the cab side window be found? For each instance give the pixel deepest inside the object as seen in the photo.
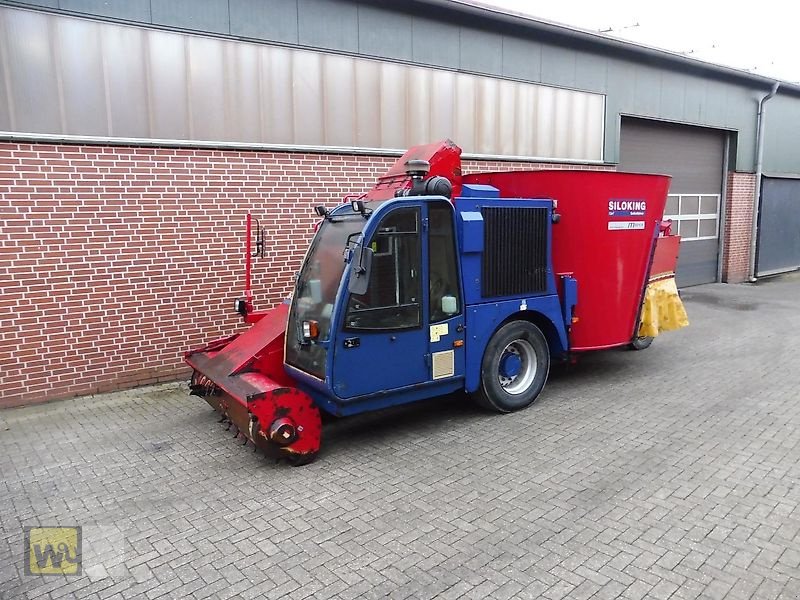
(445, 295)
(393, 298)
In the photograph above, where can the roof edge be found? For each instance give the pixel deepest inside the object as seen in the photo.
(476, 8)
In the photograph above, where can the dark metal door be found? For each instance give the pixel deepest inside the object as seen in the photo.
(779, 226)
(694, 157)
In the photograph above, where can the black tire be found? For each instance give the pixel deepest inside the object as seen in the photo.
(300, 460)
(640, 343)
(504, 393)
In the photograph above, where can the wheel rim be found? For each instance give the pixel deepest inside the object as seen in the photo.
(517, 367)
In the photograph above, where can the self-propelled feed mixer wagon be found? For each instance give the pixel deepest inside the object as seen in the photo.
(436, 281)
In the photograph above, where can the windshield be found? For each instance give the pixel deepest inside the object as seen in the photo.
(315, 291)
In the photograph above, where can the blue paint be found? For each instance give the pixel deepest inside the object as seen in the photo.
(484, 319)
(626, 213)
(477, 190)
(510, 364)
(470, 232)
(569, 300)
(393, 367)
(471, 260)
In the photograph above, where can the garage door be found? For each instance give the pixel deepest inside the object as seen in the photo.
(779, 226)
(693, 156)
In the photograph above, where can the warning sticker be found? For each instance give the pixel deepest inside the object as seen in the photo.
(625, 225)
(437, 331)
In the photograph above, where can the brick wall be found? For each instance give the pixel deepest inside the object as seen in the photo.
(738, 227)
(115, 260)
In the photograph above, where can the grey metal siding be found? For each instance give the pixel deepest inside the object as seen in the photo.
(327, 24)
(375, 40)
(779, 226)
(481, 51)
(435, 43)
(522, 59)
(131, 10)
(264, 19)
(558, 66)
(382, 29)
(782, 133)
(201, 15)
(694, 157)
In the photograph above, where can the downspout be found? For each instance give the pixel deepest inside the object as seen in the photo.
(751, 272)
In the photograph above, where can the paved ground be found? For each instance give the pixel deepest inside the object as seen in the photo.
(669, 473)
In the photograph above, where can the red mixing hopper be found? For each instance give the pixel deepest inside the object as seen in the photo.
(602, 238)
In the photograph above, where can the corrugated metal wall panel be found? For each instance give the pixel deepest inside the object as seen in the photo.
(168, 102)
(31, 73)
(126, 81)
(90, 78)
(80, 59)
(437, 41)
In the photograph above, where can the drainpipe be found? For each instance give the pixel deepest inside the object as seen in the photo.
(759, 172)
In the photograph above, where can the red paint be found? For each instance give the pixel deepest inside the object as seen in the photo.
(665, 258)
(611, 266)
(444, 158)
(248, 369)
(248, 260)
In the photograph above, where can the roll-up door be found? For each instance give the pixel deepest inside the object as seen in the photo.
(694, 157)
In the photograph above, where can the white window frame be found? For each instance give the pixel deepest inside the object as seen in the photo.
(698, 216)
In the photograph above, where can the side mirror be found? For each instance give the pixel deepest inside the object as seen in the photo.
(360, 267)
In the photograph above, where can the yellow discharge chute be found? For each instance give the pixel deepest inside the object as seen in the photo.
(662, 309)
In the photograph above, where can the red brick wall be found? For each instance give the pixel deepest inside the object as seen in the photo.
(115, 260)
(738, 227)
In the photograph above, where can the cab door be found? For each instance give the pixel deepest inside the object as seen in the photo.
(382, 342)
(445, 315)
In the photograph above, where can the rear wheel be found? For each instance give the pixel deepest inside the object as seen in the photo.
(640, 343)
(514, 368)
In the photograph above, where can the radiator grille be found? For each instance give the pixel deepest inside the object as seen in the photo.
(514, 251)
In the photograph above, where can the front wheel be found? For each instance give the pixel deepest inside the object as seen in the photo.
(514, 368)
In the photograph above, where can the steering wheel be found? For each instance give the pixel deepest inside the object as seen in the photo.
(436, 285)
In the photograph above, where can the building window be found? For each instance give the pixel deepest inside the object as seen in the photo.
(694, 216)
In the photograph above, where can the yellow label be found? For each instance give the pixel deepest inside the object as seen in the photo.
(437, 331)
(52, 550)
